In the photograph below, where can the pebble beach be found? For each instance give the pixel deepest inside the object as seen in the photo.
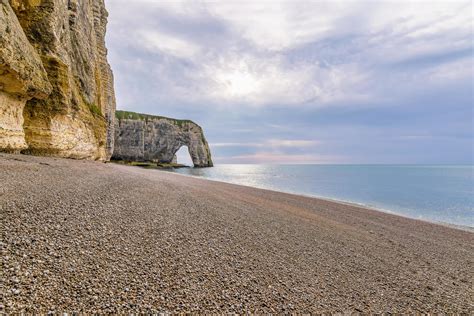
(91, 237)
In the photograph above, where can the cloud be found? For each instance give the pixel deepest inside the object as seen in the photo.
(292, 143)
(270, 77)
(272, 158)
(272, 143)
(270, 81)
(285, 53)
(213, 145)
(167, 44)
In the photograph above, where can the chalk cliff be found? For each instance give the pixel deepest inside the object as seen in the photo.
(56, 87)
(142, 137)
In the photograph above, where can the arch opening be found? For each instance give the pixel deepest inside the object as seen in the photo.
(183, 156)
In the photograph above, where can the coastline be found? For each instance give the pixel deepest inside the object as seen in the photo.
(87, 237)
(335, 200)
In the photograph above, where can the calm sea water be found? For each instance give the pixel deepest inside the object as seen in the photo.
(433, 193)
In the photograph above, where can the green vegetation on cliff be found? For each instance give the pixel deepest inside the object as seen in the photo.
(127, 115)
(94, 109)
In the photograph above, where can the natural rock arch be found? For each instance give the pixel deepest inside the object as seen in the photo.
(141, 137)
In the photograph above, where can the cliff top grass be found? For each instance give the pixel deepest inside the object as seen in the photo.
(124, 115)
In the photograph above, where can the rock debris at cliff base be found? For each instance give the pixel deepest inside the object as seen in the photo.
(80, 236)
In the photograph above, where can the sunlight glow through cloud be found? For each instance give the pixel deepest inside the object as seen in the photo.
(353, 75)
(264, 73)
(238, 82)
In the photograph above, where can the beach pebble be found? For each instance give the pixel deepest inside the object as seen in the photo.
(83, 237)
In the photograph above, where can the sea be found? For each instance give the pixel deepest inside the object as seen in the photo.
(433, 193)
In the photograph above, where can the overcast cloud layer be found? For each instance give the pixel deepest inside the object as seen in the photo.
(303, 82)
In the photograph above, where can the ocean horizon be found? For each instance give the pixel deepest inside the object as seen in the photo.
(434, 193)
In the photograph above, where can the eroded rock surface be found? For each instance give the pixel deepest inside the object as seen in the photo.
(141, 137)
(22, 77)
(56, 87)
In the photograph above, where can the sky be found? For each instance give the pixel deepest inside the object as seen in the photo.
(339, 82)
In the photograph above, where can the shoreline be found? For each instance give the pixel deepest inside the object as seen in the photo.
(335, 200)
(86, 237)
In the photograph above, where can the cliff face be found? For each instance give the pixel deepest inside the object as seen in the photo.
(56, 90)
(141, 137)
(56, 87)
